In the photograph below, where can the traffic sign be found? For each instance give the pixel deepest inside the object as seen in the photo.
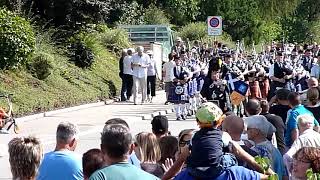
(214, 25)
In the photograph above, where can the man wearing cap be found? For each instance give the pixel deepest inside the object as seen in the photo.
(257, 130)
(178, 47)
(151, 79)
(160, 126)
(277, 75)
(127, 82)
(140, 63)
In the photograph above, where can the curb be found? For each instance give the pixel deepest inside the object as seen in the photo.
(152, 115)
(70, 109)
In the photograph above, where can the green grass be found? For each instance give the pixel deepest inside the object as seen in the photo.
(67, 85)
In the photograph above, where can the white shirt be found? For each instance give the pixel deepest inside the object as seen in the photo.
(144, 60)
(315, 71)
(127, 65)
(168, 69)
(271, 71)
(152, 70)
(309, 138)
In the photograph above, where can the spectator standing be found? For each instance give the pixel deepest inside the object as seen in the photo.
(152, 77)
(92, 160)
(253, 108)
(305, 158)
(117, 145)
(169, 148)
(298, 109)
(234, 126)
(307, 138)
(258, 128)
(313, 102)
(25, 154)
(148, 152)
(63, 163)
(160, 126)
(277, 122)
(282, 107)
(167, 74)
(140, 63)
(127, 81)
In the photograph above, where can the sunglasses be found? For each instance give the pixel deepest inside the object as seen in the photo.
(182, 143)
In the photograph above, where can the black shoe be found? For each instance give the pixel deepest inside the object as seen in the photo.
(183, 117)
(178, 119)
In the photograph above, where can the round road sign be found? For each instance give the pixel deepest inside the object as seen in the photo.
(214, 22)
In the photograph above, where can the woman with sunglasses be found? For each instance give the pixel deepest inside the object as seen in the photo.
(304, 159)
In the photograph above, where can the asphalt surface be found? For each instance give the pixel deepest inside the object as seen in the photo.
(91, 121)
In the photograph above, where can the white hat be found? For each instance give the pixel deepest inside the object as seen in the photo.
(149, 52)
(261, 123)
(178, 39)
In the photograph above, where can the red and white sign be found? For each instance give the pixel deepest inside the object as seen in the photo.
(214, 25)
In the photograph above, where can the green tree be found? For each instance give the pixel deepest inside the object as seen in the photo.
(154, 15)
(181, 11)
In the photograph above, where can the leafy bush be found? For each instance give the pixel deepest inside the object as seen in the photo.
(115, 39)
(82, 56)
(193, 31)
(17, 39)
(154, 15)
(41, 65)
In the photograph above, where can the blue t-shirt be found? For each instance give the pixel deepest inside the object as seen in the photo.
(232, 173)
(292, 122)
(133, 159)
(122, 171)
(62, 165)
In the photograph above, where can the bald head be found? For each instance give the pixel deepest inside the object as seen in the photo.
(313, 82)
(253, 107)
(233, 125)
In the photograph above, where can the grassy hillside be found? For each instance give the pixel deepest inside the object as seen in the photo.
(67, 85)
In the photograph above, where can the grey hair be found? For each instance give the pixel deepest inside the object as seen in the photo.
(305, 120)
(140, 49)
(66, 131)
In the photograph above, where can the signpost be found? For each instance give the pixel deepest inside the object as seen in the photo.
(214, 25)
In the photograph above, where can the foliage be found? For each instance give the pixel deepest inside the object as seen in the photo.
(312, 176)
(67, 85)
(193, 31)
(154, 15)
(265, 165)
(131, 14)
(17, 39)
(40, 66)
(181, 11)
(270, 31)
(114, 39)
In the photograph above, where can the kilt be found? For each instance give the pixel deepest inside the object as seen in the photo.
(264, 87)
(255, 90)
(178, 98)
(200, 82)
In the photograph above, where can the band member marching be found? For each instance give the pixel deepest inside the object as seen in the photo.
(215, 89)
(179, 91)
(277, 75)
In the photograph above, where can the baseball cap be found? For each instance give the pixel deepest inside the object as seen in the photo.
(259, 122)
(209, 113)
(178, 39)
(160, 124)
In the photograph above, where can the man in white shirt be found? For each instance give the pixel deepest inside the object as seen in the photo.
(127, 82)
(307, 138)
(140, 63)
(315, 70)
(167, 74)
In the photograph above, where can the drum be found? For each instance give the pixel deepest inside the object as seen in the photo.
(178, 93)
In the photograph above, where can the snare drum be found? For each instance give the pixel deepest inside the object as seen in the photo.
(178, 93)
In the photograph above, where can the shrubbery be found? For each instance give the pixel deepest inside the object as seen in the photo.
(41, 65)
(193, 31)
(17, 39)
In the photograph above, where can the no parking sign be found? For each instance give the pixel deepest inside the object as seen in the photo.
(214, 25)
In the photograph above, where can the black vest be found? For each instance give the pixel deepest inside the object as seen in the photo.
(278, 71)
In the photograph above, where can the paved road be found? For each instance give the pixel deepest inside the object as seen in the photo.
(90, 122)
